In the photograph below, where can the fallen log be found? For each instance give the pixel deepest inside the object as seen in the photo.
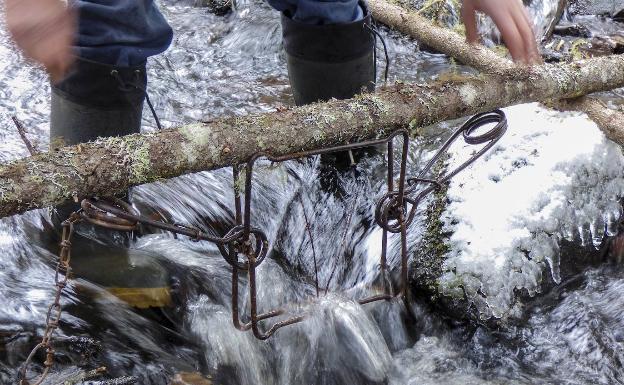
(610, 121)
(444, 40)
(111, 165)
(482, 58)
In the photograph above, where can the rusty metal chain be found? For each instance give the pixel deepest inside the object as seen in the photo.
(53, 315)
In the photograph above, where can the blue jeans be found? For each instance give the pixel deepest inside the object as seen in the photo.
(126, 32)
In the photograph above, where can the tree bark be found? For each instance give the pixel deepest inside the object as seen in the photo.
(111, 165)
(610, 121)
(477, 56)
(446, 41)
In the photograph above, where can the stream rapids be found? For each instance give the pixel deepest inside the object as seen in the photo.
(233, 65)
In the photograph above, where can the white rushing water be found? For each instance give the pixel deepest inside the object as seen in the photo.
(555, 172)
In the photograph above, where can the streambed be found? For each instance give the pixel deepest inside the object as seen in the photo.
(233, 65)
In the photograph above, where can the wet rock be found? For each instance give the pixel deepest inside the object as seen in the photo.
(218, 7)
(567, 49)
(574, 30)
(79, 348)
(601, 46)
(115, 381)
(185, 378)
(9, 332)
(552, 56)
(597, 7)
(16, 341)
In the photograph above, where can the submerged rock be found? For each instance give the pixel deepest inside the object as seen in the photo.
(566, 49)
(529, 214)
(597, 7)
(185, 378)
(218, 7)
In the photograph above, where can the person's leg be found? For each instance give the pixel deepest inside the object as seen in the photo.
(328, 61)
(329, 49)
(96, 100)
(102, 97)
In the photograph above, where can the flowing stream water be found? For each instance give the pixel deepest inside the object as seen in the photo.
(234, 65)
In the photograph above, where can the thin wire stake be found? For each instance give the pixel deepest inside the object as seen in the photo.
(344, 241)
(21, 129)
(153, 110)
(309, 231)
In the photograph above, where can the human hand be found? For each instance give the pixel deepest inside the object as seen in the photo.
(44, 30)
(512, 21)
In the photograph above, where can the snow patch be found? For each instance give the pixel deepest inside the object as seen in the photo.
(552, 175)
(468, 94)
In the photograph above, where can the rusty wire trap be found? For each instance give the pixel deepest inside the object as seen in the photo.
(244, 247)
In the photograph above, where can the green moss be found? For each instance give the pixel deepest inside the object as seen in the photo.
(414, 128)
(325, 120)
(429, 259)
(140, 164)
(469, 94)
(575, 49)
(357, 106)
(195, 133)
(441, 12)
(380, 105)
(11, 193)
(319, 135)
(136, 152)
(239, 183)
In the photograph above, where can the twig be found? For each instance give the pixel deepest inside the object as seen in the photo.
(80, 377)
(309, 231)
(22, 131)
(115, 381)
(561, 6)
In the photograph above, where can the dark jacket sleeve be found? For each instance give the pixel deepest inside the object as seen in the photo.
(120, 32)
(318, 11)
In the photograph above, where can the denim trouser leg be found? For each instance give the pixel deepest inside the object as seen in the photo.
(320, 12)
(126, 32)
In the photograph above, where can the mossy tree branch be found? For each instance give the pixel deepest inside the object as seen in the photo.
(111, 165)
(444, 40)
(486, 60)
(609, 120)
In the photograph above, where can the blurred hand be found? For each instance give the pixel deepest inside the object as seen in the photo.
(44, 30)
(512, 21)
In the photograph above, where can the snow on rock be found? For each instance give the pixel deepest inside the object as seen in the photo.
(552, 175)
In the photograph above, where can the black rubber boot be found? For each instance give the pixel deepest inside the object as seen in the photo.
(98, 100)
(331, 61)
(95, 100)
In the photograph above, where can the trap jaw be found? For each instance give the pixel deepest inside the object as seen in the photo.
(394, 212)
(253, 256)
